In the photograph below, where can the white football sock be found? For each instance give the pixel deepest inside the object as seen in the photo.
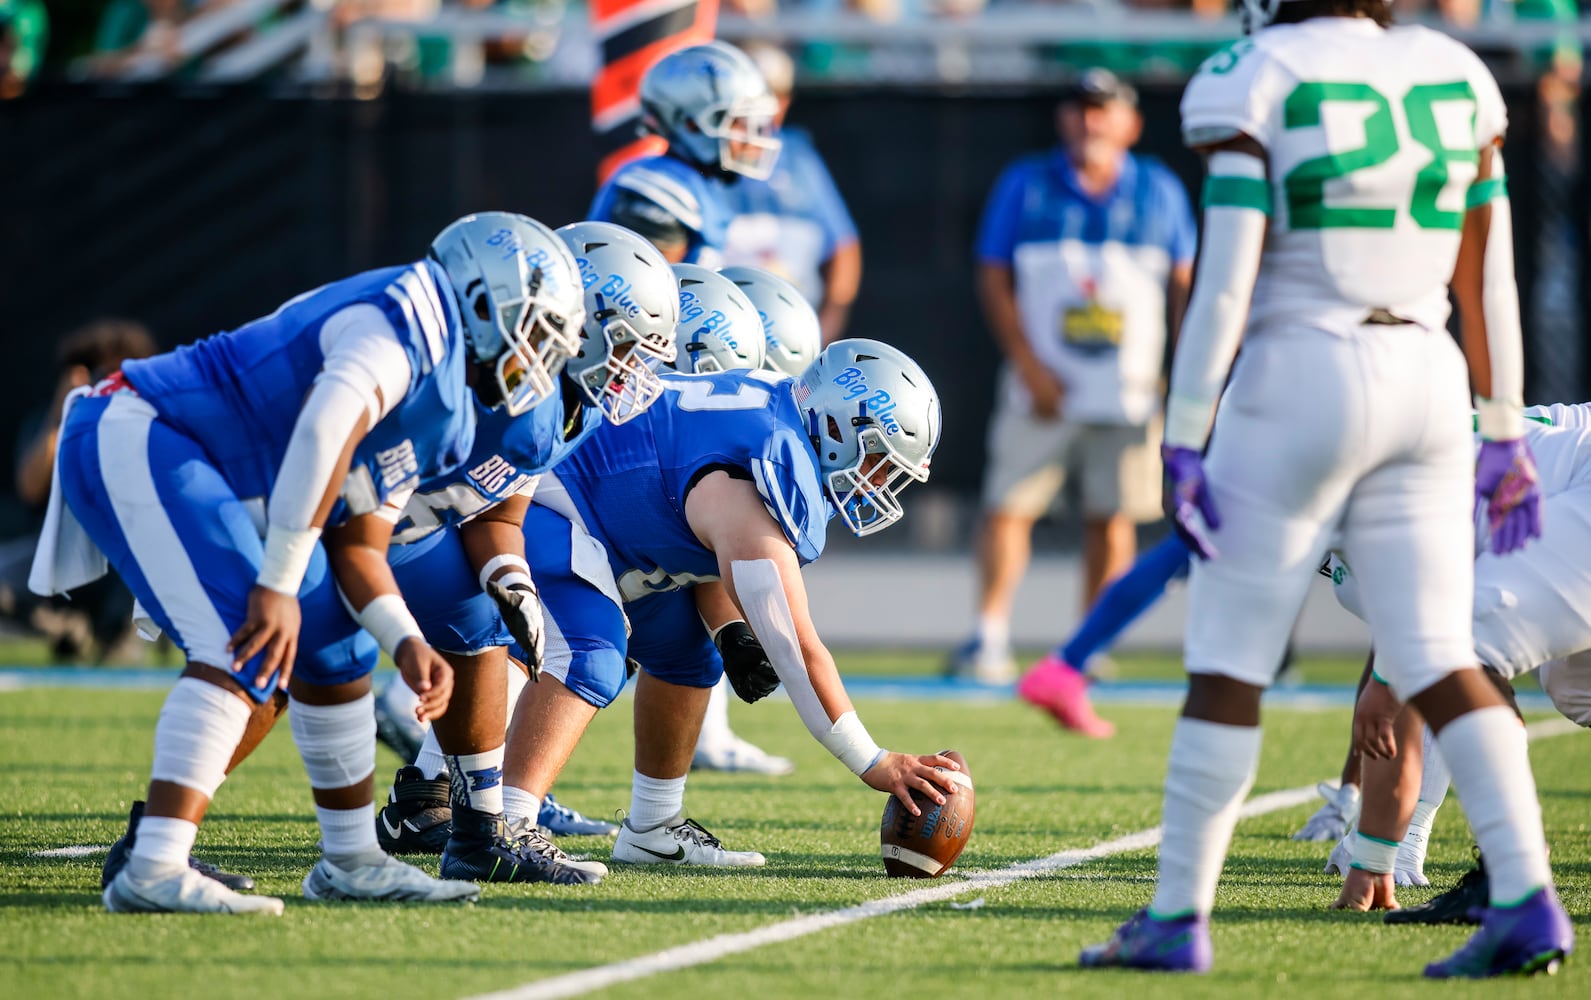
(994, 633)
(1212, 768)
(1490, 762)
(715, 723)
(161, 842)
(479, 777)
(348, 836)
(654, 801)
(1434, 779)
(430, 760)
(519, 804)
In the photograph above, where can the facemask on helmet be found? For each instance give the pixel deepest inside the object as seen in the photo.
(873, 417)
(632, 309)
(719, 329)
(713, 106)
(789, 323)
(519, 294)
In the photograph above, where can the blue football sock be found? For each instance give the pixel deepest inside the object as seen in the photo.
(1125, 599)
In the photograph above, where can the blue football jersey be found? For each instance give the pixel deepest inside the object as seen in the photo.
(238, 394)
(696, 201)
(629, 481)
(509, 452)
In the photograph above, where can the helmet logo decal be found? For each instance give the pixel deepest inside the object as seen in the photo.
(854, 382)
(510, 243)
(691, 310)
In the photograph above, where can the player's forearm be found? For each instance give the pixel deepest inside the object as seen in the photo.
(714, 605)
(1235, 215)
(494, 540)
(330, 426)
(1503, 398)
(357, 553)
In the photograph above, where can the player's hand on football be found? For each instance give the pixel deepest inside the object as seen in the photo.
(271, 627)
(520, 606)
(1375, 722)
(1188, 503)
(745, 662)
(1363, 891)
(428, 675)
(1507, 485)
(900, 774)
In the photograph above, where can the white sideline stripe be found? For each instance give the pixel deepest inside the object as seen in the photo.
(712, 949)
(74, 851)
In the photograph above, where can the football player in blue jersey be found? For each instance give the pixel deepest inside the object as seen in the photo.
(205, 477)
(463, 568)
(713, 107)
(732, 476)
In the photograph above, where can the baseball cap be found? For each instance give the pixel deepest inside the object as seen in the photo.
(1100, 86)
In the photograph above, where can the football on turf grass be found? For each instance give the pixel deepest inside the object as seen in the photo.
(926, 846)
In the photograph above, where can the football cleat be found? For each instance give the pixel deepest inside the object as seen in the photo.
(679, 841)
(181, 890)
(1462, 904)
(384, 880)
(483, 849)
(1058, 689)
(561, 821)
(1534, 935)
(739, 756)
(417, 818)
(972, 662)
(1336, 817)
(1180, 944)
(1341, 857)
(120, 851)
(396, 725)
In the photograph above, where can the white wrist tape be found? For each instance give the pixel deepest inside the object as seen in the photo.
(511, 578)
(714, 633)
(1372, 854)
(1499, 420)
(848, 741)
(287, 555)
(497, 562)
(389, 622)
(761, 594)
(1229, 260)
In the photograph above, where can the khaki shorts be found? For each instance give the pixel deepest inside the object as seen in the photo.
(1029, 459)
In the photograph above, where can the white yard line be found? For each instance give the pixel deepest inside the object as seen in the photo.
(74, 851)
(712, 949)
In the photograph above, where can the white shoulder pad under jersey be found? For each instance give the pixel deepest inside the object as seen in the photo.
(1371, 137)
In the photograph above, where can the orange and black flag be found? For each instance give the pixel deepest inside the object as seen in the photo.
(633, 35)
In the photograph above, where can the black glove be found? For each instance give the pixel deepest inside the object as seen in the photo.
(745, 662)
(520, 606)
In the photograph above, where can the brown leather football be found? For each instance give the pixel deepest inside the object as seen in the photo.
(926, 846)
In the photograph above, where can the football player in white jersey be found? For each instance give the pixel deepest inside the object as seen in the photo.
(1353, 174)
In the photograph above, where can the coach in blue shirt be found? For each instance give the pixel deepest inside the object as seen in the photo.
(1085, 258)
(795, 223)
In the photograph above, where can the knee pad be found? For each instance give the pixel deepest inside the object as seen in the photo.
(199, 730)
(337, 742)
(597, 675)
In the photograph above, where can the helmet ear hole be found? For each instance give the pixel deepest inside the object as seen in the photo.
(482, 307)
(834, 429)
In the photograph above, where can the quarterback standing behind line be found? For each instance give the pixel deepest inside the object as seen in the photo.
(1354, 174)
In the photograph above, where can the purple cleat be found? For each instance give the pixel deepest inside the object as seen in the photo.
(1531, 936)
(1181, 944)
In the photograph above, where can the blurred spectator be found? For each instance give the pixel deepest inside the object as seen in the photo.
(795, 223)
(1085, 259)
(98, 617)
(24, 32)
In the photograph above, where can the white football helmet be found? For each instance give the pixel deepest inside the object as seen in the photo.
(794, 336)
(873, 417)
(713, 106)
(632, 308)
(518, 291)
(719, 329)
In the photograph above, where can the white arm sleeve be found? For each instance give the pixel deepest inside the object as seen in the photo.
(366, 373)
(1229, 261)
(1501, 416)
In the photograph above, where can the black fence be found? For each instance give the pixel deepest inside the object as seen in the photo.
(195, 211)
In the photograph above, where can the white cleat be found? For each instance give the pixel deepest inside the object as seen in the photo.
(736, 754)
(1341, 858)
(386, 880)
(1333, 820)
(680, 841)
(180, 889)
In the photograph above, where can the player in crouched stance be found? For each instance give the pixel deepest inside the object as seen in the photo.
(205, 476)
(1353, 173)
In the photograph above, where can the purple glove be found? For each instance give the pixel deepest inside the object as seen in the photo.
(1188, 499)
(1505, 482)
